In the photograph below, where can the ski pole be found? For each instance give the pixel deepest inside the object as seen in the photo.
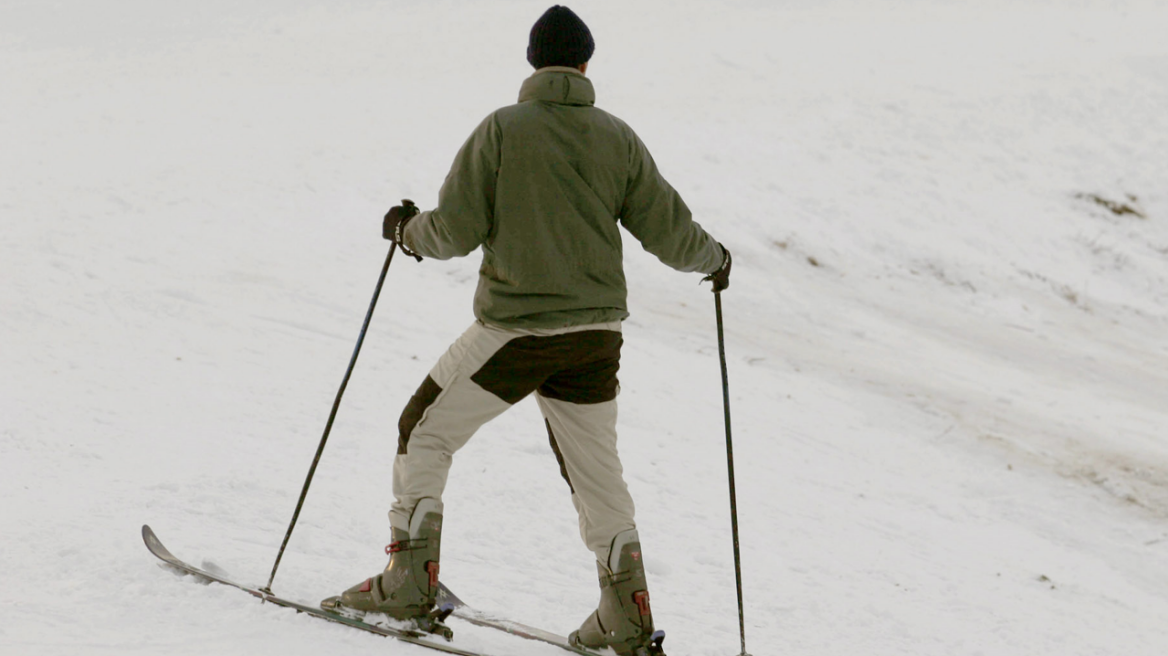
(730, 470)
(332, 415)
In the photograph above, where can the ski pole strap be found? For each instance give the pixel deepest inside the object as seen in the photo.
(399, 237)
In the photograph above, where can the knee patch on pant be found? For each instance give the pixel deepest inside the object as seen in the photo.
(559, 455)
(422, 399)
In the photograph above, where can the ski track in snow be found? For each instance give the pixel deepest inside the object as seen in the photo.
(947, 356)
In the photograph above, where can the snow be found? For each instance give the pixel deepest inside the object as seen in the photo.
(947, 359)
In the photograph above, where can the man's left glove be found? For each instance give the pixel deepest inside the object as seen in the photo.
(394, 224)
(721, 277)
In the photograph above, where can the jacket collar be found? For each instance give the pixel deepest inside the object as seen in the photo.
(558, 84)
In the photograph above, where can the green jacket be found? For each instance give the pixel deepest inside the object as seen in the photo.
(540, 186)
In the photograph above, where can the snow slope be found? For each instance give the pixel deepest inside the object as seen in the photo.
(947, 355)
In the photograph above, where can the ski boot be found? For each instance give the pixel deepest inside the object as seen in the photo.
(624, 620)
(408, 587)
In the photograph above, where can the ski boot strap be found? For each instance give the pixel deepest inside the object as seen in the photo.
(406, 545)
(607, 580)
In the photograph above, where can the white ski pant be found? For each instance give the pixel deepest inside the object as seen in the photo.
(572, 372)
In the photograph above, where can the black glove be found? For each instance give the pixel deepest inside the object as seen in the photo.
(721, 277)
(394, 224)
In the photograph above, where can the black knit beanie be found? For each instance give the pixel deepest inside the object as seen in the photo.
(559, 38)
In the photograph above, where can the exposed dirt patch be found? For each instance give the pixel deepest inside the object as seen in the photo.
(1129, 206)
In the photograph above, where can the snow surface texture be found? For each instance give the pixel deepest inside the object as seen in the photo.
(947, 326)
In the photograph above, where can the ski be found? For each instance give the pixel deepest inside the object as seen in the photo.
(406, 635)
(477, 617)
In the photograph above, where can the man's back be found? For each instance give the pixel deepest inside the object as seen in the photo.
(541, 185)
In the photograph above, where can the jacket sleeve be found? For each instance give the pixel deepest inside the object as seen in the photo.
(466, 202)
(657, 216)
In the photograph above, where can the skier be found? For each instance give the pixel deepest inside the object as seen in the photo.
(540, 187)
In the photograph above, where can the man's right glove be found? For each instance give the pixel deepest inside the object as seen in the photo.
(721, 277)
(394, 224)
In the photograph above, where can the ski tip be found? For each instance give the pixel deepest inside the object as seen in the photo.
(155, 545)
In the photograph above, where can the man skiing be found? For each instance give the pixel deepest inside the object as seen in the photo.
(540, 187)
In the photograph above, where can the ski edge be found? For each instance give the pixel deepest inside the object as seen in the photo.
(155, 546)
(466, 613)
